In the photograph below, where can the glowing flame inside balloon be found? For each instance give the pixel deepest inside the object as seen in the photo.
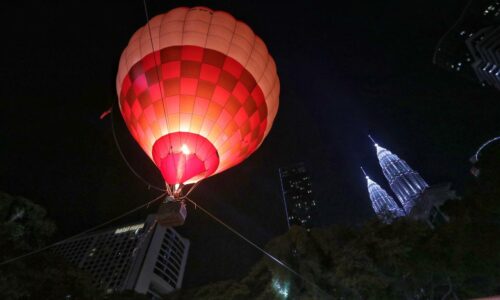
(185, 149)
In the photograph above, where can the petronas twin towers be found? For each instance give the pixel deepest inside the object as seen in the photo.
(405, 183)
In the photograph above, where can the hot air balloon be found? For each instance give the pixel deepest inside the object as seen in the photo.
(199, 92)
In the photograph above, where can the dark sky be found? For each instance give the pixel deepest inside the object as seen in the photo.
(346, 70)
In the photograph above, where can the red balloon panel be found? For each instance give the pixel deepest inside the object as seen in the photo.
(182, 156)
(194, 90)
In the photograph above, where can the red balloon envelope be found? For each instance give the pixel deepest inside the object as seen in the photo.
(198, 91)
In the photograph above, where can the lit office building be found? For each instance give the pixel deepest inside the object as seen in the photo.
(483, 45)
(470, 46)
(300, 206)
(144, 257)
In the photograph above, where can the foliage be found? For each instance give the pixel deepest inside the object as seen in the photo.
(127, 295)
(24, 227)
(217, 291)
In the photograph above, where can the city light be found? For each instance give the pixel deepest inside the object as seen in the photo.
(129, 228)
(281, 289)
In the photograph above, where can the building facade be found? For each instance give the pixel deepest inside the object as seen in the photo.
(384, 206)
(298, 198)
(470, 46)
(419, 200)
(405, 182)
(484, 46)
(144, 257)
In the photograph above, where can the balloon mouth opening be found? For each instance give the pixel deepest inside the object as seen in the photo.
(185, 157)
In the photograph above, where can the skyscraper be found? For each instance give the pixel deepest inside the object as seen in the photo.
(296, 187)
(470, 46)
(483, 45)
(383, 204)
(406, 183)
(144, 257)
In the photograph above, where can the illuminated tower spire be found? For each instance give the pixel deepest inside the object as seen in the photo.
(383, 204)
(406, 183)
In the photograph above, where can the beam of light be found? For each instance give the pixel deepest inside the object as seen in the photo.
(363, 170)
(373, 141)
(185, 149)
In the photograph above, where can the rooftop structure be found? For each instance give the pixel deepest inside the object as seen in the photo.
(144, 257)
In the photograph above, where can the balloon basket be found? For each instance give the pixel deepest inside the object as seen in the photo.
(171, 212)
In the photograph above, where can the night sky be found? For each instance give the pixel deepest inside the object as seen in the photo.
(345, 71)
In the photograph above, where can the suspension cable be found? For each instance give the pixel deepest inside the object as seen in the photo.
(191, 189)
(146, 182)
(146, 12)
(149, 184)
(262, 250)
(82, 233)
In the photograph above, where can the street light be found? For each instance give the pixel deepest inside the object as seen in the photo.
(475, 158)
